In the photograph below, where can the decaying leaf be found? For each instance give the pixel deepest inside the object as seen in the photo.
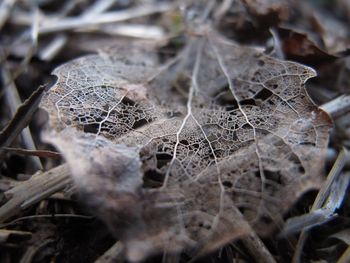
(299, 47)
(171, 156)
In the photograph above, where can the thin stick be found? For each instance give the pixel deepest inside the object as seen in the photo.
(11, 92)
(52, 49)
(5, 234)
(20, 119)
(114, 254)
(13, 100)
(32, 250)
(134, 30)
(257, 249)
(337, 107)
(109, 17)
(34, 190)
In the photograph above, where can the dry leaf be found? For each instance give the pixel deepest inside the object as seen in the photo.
(171, 156)
(298, 46)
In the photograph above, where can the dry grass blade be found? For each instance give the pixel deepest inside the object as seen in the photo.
(12, 97)
(28, 142)
(20, 120)
(306, 221)
(34, 190)
(105, 18)
(338, 192)
(60, 40)
(331, 178)
(321, 215)
(5, 10)
(321, 197)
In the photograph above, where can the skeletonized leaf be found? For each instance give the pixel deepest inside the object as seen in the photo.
(222, 131)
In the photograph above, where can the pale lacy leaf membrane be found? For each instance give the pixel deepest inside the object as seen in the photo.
(173, 155)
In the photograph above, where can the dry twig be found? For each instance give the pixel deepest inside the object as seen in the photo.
(34, 190)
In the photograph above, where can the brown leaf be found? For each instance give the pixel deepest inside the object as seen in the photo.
(249, 21)
(171, 156)
(298, 47)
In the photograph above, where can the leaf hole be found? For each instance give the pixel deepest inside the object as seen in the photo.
(127, 101)
(227, 184)
(139, 123)
(247, 126)
(182, 84)
(263, 94)
(247, 102)
(154, 176)
(261, 63)
(184, 142)
(226, 99)
(163, 159)
(301, 169)
(241, 209)
(273, 176)
(195, 145)
(257, 174)
(173, 114)
(266, 219)
(91, 128)
(231, 108)
(207, 227)
(307, 143)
